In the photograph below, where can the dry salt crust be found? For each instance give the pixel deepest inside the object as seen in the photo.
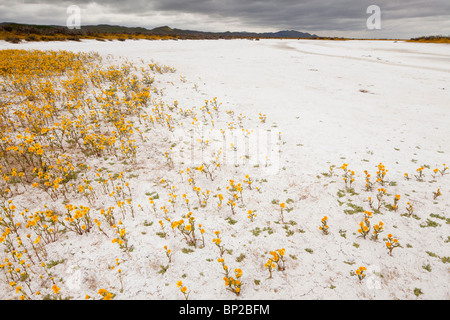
(334, 102)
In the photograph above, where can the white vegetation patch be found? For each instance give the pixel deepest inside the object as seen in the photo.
(249, 142)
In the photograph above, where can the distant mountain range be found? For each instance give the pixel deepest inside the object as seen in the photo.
(171, 32)
(160, 31)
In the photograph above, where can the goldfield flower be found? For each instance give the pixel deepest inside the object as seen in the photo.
(364, 227)
(324, 227)
(360, 273)
(377, 229)
(391, 243)
(183, 289)
(437, 194)
(409, 209)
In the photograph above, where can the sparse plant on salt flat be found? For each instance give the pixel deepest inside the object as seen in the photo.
(360, 273)
(409, 209)
(391, 243)
(380, 194)
(436, 194)
(443, 170)
(381, 174)
(369, 184)
(365, 224)
(251, 214)
(183, 289)
(218, 242)
(348, 176)
(377, 229)
(262, 117)
(187, 230)
(324, 227)
(396, 200)
(232, 283)
(420, 175)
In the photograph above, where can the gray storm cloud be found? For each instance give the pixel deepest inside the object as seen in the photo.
(339, 17)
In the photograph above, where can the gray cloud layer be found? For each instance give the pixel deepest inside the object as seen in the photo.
(400, 18)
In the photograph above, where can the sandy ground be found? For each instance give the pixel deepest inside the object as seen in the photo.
(329, 103)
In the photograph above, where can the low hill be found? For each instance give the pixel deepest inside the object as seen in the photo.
(18, 28)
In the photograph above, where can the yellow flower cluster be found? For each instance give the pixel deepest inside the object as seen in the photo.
(183, 289)
(324, 227)
(420, 175)
(409, 209)
(232, 284)
(218, 242)
(377, 229)
(277, 260)
(251, 214)
(369, 184)
(45, 224)
(391, 243)
(381, 174)
(348, 176)
(262, 117)
(121, 238)
(78, 219)
(360, 273)
(106, 295)
(187, 229)
(436, 194)
(60, 108)
(365, 224)
(396, 200)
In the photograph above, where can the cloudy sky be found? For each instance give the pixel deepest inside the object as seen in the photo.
(346, 18)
